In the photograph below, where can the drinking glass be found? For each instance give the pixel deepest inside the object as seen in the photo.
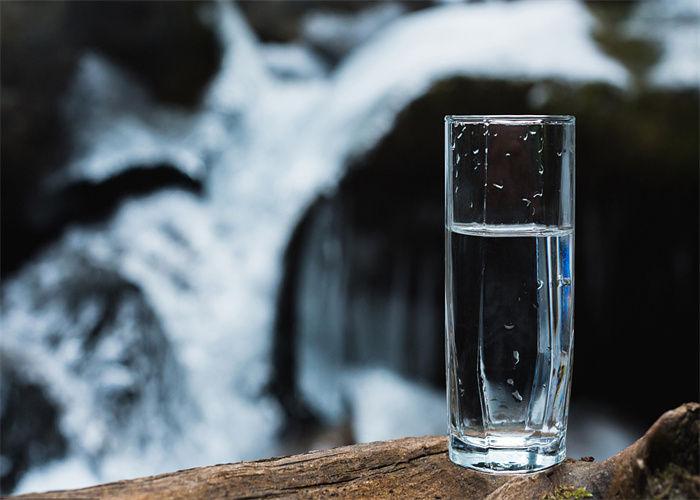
(509, 289)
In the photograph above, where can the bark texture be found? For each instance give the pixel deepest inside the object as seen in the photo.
(662, 464)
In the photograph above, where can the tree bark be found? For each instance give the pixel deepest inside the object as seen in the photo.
(662, 464)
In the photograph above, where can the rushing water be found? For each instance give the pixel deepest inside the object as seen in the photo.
(204, 270)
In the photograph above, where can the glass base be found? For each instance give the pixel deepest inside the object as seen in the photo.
(507, 455)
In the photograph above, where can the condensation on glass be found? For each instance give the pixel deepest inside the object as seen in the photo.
(509, 289)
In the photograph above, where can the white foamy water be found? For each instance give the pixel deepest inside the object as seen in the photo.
(264, 147)
(672, 26)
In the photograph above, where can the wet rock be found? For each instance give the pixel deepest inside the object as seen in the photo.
(331, 29)
(635, 154)
(165, 46)
(29, 424)
(87, 201)
(37, 65)
(98, 360)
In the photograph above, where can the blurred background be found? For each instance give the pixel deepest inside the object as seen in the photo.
(222, 223)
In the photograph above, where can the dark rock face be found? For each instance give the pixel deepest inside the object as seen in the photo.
(102, 371)
(28, 424)
(278, 21)
(88, 202)
(636, 241)
(164, 45)
(37, 65)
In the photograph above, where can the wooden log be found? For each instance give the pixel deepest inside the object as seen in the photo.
(662, 464)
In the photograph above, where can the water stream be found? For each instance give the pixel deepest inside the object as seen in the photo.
(205, 268)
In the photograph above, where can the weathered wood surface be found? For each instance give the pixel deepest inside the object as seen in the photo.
(662, 464)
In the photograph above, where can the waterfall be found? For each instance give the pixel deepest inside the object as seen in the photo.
(190, 279)
(204, 268)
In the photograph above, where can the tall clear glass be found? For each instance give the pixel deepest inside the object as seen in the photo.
(509, 289)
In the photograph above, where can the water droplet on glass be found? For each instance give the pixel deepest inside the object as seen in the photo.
(517, 396)
(537, 195)
(486, 130)
(510, 381)
(509, 326)
(499, 186)
(507, 154)
(540, 284)
(495, 134)
(516, 355)
(559, 153)
(457, 158)
(527, 201)
(456, 188)
(525, 136)
(563, 281)
(533, 132)
(460, 134)
(456, 173)
(541, 169)
(475, 151)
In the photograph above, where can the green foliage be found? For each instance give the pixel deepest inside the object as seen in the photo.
(567, 492)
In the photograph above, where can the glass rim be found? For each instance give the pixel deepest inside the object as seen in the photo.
(513, 119)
